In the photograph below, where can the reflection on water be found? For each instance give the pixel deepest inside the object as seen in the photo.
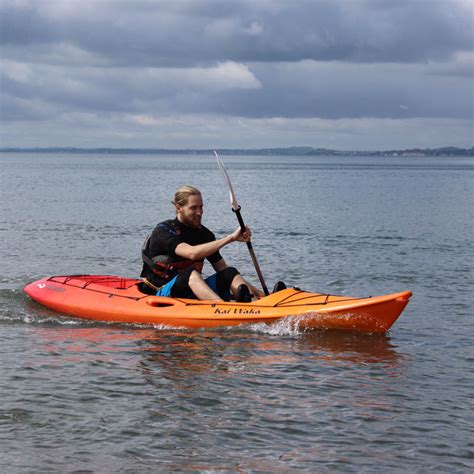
(182, 355)
(208, 343)
(181, 352)
(203, 350)
(355, 348)
(273, 387)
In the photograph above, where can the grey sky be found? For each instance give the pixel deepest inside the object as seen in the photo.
(342, 74)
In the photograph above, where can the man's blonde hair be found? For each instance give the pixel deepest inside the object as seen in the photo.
(181, 196)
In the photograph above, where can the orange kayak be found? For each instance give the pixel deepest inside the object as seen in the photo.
(118, 299)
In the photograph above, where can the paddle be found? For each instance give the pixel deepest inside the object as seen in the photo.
(236, 209)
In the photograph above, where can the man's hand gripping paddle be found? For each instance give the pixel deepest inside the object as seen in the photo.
(236, 209)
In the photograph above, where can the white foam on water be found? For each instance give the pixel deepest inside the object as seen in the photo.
(287, 326)
(164, 327)
(66, 321)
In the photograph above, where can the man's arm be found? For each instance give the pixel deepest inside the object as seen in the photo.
(219, 265)
(202, 251)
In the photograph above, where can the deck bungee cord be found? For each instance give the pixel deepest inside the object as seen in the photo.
(287, 301)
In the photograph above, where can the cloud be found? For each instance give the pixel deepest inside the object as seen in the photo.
(104, 89)
(348, 90)
(462, 65)
(304, 89)
(208, 131)
(143, 64)
(188, 33)
(224, 76)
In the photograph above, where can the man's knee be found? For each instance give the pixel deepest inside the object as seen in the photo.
(186, 279)
(226, 276)
(194, 276)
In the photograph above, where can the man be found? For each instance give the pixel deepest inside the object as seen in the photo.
(174, 253)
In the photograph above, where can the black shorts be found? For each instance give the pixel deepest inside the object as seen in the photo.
(219, 282)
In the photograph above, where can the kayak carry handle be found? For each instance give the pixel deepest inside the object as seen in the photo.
(160, 301)
(405, 297)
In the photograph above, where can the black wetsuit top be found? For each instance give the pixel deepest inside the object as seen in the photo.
(164, 239)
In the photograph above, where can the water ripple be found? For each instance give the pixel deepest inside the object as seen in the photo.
(84, 396)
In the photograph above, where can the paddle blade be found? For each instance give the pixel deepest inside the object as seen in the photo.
(233, 199)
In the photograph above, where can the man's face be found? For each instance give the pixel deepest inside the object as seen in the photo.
(191, 213)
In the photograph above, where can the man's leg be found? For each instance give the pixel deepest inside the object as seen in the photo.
(200, 288)
(192, 280)
(190, 284)
(238, 280)
(230, 279)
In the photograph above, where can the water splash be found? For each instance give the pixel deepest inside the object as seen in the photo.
(288, 326)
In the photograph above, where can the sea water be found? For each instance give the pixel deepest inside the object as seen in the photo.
(95, 397)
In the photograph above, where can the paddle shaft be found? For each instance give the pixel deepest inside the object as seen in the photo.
(251, 252)
(236, 209)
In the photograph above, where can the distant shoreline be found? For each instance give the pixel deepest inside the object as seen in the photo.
(290, 151)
